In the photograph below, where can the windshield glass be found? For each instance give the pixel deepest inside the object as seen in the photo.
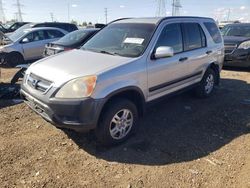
(236, 30)
(26, 26)
(123, 39)
(75, 37)
(17, 35)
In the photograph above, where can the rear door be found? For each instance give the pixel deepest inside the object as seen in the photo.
(167, 74)
(195, 45)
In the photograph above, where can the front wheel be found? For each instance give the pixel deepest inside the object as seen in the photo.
(207, 84)
(14, 59)
(118, 122)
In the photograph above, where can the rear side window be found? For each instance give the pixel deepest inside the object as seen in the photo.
(214, 31)
(171, 36)
(194, 36)
(54, 34)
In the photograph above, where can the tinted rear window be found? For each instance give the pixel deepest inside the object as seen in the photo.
(214, 31)
(194, 36)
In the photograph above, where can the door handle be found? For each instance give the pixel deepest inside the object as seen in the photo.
(209, 52)
(183, 59)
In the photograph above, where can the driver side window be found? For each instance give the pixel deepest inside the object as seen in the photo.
(36, 36)
(171, 36)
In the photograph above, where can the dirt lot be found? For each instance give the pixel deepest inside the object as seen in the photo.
(182, 142)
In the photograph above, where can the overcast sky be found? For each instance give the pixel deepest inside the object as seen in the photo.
(93, 10)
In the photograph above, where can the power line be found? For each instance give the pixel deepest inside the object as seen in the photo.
(19, 13)
(161, 8)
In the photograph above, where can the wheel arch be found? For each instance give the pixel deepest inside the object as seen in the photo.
(132, 93)
(216, 68)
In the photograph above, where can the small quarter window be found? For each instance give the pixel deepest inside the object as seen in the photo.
(194, 36)
(213, 31)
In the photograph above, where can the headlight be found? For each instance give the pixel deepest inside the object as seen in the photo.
(244, 45)
(78, 88)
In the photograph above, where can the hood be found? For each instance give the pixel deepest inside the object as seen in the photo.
(76, 63)
(235, 39)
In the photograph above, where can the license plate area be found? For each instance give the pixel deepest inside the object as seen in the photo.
(37, 107)
(50, 52)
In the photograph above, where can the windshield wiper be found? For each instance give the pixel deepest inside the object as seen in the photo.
(106, 52)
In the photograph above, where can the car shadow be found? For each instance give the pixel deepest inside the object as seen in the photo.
(238, 69)
(181, 128)
(9, 95)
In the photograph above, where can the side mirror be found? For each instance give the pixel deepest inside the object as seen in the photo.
(163, 51)
(25, 40)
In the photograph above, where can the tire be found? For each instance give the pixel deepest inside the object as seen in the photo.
(14, 59)
(113, 128)
(207, 84)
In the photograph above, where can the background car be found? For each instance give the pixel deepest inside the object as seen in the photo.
(28, 45)
(69, 27)
(237, 44)
(2, 28)
(15, 26)
(70, 41)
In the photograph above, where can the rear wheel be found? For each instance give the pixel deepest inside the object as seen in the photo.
(207, 84)
(118, 122)
(14, 59)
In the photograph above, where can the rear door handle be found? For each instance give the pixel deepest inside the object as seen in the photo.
(209, 52)
(183, 59)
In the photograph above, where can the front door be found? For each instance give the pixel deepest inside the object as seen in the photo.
(165, 75)
(33, 49)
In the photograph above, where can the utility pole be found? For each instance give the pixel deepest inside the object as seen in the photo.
(19, 11)
(176, 5)
(228, 14)
(2, 15)
(161, 8)
(69, 12)
(106, 14)
(52, 16)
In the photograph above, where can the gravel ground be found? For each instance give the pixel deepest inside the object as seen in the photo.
(182, 142)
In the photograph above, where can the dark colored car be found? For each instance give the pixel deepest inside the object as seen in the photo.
(69, 27)
(237, 44)
(70, 41)
(15, 26)
(66, 26)
(2, 28)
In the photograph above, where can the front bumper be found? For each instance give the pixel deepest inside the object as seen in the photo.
(239, 58)
(79, 115)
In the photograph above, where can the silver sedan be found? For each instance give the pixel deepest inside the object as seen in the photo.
(27, 45)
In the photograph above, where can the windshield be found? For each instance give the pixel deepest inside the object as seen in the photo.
(123, 39)
(26, 26)
(75, 37)
(236, 30)
(17, 35)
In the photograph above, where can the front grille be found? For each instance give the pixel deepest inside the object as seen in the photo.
(38, 83)
(229, 48)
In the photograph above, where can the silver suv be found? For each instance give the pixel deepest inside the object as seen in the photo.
(106, 85)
